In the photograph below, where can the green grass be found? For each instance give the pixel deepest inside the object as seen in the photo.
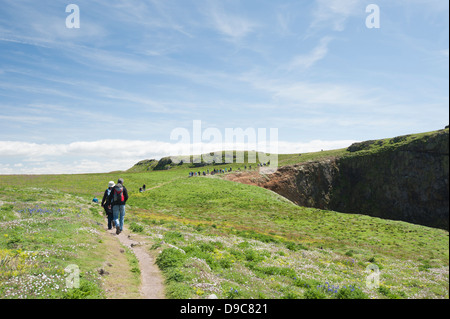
(42, 233)
(234, 237)
(215, 236)
(248, 235)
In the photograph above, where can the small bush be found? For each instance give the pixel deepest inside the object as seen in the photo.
(207, 247)
(290, 295)
(294, 246)
(388, 293)
(302, 283)
(174, 274)
(170, 257)
(314, 294)
(87, 290)
(253, 255)
(232, 293)
(225, 263)
(173, 237)
(136, 228)
(178, 290)
(351, 293)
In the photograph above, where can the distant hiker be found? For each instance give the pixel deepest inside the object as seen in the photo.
(140, 189)
(143, 187)
(95, 200)
(107, 206)
(118, 198)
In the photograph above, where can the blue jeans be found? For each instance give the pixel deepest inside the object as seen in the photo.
(119, 215)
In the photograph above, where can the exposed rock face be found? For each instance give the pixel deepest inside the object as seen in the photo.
(408, 182)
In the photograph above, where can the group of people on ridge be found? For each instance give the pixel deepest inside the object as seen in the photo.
(224, 170)
(113, 202)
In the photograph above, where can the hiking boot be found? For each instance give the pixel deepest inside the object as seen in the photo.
(117, 230)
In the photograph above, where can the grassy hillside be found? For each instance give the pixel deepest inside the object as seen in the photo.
(240, 241)
(251, 240)
(43, 234)
(213, 236)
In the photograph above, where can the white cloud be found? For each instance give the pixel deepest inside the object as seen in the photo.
(231, 25)
(310, 94)
(110, 155)
(334, 13)
(27, 119)
(308, 60)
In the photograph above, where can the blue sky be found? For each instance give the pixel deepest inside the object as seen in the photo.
(101, 97)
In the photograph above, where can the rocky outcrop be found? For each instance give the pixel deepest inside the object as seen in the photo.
(402, 179)
(409, 182)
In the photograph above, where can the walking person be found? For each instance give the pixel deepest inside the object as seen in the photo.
(107, 206)
(118, 198)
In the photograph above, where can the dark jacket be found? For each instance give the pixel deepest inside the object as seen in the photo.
(105, 197)
(105, 203)
(111, 196)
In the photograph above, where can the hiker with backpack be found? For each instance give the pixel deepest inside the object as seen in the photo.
(118, 198)
(107, 206)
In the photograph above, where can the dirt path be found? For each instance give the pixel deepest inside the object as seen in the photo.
(152, 282)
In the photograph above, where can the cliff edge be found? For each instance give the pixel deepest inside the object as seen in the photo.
(404, 178)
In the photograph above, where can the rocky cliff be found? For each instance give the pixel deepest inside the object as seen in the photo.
(404, 178)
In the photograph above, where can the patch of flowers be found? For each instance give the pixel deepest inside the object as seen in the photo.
(16, 262)
(331, 291)
(33, 286)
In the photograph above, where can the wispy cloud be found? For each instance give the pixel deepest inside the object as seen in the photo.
(232, 26)
(308, 60)
(310, 94)
(334, 13)
(27, 119)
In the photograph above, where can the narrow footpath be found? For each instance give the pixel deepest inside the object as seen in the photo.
(152, 282)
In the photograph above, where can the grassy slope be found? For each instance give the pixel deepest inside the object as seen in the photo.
(332, 247)
(240, 241)
(42, 232)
